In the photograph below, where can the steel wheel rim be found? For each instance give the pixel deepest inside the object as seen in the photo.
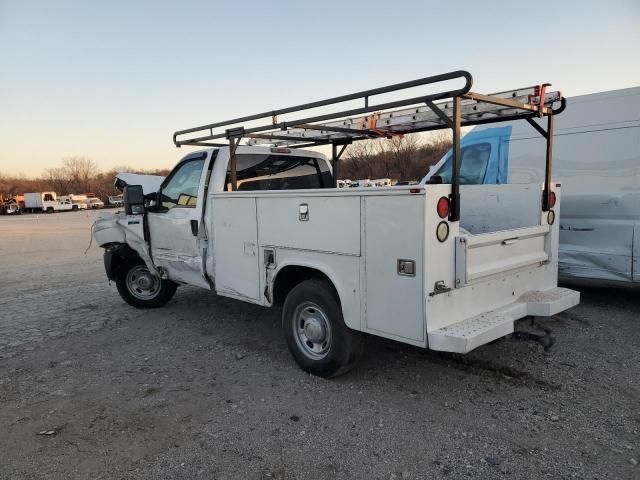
(142, 284)
(311, 330)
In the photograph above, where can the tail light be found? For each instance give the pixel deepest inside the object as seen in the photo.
(552, 199)
(443, 207)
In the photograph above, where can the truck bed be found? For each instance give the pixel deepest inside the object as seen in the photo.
(357, 236)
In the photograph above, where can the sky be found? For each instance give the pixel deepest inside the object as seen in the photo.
(112, 80)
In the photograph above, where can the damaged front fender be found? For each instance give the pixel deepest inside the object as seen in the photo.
(112, 231)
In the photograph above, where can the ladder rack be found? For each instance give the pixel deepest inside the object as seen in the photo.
(450, 108)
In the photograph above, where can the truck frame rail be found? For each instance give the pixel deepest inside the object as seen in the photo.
(451, 108)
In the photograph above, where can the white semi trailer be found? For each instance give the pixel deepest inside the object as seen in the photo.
(265, 224)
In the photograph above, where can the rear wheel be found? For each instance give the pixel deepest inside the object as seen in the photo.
(49, 209)
(142, 289)
(315, 331)
(74, 208)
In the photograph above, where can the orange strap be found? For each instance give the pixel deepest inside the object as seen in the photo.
(371, 123)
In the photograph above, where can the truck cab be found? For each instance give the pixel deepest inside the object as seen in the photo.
(175, 220)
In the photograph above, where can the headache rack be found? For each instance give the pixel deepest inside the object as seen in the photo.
(453, 108)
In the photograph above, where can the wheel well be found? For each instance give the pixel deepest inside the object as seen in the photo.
(292, 275)
(122, 255)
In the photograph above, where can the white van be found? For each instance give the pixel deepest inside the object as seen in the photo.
(596, 158)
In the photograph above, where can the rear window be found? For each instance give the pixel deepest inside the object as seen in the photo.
(280, 172)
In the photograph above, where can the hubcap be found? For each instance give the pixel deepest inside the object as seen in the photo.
(311, 330)
(142, 284)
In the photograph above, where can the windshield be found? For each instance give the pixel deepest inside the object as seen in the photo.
(473, 167)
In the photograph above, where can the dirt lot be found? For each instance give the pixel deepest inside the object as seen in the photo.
(205, 388)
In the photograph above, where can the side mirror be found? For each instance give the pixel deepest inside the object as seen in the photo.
(133, 200)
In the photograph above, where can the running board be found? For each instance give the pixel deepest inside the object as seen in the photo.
(464, 336)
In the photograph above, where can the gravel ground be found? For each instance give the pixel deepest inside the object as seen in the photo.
(205, 388)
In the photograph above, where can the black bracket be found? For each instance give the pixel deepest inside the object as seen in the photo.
(235, 132)
(535, 125)
(438, 111)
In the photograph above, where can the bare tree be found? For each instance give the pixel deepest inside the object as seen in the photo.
(358, 160)
(81, 171)
(400, 153)
(57, 179)
(405, 157)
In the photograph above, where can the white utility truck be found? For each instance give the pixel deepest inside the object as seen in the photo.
(47, 202)
(78, 202)
(441, 266)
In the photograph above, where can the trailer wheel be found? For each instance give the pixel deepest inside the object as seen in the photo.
(315, 331)
(141, 289)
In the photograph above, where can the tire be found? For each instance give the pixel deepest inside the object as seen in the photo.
(74, 208)
(140, 289)
(50, 210)
(315, 331)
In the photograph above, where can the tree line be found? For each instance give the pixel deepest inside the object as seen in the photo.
(402, 158)
(74, 175)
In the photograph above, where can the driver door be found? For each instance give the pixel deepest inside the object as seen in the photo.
(173, 228)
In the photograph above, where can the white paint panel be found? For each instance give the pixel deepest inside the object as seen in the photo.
(174, 247)
(393, 229)
(492, 253)
(333, 223)
(235, 247)
(491, 208)
(343, 271)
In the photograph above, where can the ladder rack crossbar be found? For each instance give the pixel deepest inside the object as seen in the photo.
(412, 120)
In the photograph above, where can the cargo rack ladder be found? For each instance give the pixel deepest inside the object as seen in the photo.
(452, 108)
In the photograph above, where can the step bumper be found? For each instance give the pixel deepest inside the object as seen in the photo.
(464, 336)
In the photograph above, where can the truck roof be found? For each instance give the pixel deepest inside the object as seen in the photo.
(254, 149)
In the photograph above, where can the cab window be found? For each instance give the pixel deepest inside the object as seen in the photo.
(279, 172)
(473, 166)
(181, 189)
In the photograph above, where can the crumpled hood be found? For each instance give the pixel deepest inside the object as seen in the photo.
(149, 183)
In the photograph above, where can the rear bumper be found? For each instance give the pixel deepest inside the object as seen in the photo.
(464, 336)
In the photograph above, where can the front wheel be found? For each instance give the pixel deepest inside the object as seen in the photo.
(315, 331)
(142, 289)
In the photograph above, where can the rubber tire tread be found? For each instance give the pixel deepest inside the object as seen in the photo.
(346, 346)
(167, 290)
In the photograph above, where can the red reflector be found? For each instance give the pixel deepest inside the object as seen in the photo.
(552, 199)
(414, 190)
(443, 207)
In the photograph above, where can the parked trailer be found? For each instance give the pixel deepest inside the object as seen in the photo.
(596, 158)
(265, 224)
(47, 202)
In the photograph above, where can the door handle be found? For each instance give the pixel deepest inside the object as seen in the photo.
(303, 212)
(194, 227)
